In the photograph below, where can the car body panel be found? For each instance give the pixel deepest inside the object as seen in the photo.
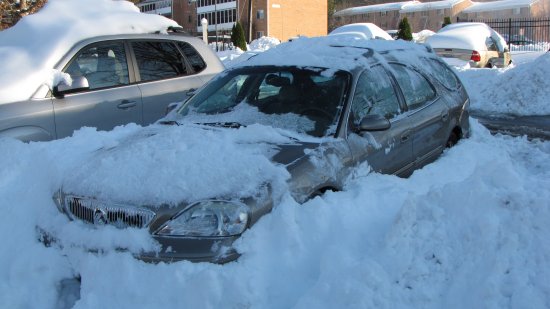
(28, 121)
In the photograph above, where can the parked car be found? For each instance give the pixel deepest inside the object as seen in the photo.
(475, 43)
(367, 31)
(393, 104)
(116, 79)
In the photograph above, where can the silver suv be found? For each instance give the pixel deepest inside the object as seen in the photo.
(117, 79)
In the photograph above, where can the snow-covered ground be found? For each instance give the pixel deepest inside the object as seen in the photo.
(467, 231)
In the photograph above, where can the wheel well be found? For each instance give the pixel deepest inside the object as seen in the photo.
(454, 137)
(322, 191)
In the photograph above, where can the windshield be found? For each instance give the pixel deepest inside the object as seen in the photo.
(302, 100)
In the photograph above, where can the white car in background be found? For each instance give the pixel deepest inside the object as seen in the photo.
(367, 31)
(475, 43)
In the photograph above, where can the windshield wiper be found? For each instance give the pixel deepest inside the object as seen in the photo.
(232, 125)
(169, 122)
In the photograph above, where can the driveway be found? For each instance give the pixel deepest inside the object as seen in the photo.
(532, 126)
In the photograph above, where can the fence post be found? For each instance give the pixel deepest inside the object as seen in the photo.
(509, 33)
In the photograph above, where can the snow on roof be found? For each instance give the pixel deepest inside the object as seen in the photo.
(30, 49)
(367, 31)
(498, 5)
(436, 5)
(465, 35)
(336, 52)
(394, 6)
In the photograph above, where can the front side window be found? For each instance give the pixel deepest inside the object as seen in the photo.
(416, 89)
(300, 100)
(104, 65)
(158, 60)
(374, 94)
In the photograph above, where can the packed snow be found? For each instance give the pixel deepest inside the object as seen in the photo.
(467, 231)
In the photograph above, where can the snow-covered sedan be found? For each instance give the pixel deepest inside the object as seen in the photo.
(474, 43)
(293, 121)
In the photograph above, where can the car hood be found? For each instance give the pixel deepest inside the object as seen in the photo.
(165, 165)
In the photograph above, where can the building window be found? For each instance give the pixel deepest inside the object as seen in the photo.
(517, 11)
(189, 19)
(259, 34)
(383, 13)
(260, 14)
(440, 12)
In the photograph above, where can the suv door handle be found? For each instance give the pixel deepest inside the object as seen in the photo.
(125, 104)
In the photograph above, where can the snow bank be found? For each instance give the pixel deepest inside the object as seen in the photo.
(468, 230)
(522, 89)
(30, 49)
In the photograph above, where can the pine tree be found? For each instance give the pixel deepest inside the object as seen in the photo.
(237, 36)
(404, 32)
(446, 21)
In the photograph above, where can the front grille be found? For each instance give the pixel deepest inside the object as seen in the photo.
(100, 213)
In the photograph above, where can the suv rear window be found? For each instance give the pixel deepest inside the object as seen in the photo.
(158, 60)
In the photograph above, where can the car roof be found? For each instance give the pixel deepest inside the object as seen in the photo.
(340, 53)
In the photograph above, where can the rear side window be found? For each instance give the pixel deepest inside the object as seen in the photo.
(416, 89)
(193, 57)
(158, 60)
(443, 74)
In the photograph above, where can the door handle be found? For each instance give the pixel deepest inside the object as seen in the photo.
(125, 104)
(445, 116)
(404, 137)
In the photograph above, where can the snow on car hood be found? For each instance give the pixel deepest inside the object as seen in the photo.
(30, 49)
(170, 164)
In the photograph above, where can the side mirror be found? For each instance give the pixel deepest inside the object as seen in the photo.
(79, 83)
(374, 123)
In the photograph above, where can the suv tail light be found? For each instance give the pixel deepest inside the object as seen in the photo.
(476, 57)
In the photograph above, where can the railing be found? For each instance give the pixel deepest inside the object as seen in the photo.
(525, 34)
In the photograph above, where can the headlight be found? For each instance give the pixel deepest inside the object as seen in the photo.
(208, 218)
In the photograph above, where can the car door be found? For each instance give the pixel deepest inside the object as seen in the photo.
(388, 151)
(428, 114)
(164, 74)
(111, 99)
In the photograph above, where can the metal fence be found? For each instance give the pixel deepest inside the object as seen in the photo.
(521, 34)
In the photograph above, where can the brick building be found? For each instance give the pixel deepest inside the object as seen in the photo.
(430, 15)
(386, 16)
(507, 9)
(281, 19)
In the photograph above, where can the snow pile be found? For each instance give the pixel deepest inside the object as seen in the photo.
(468, 230)
(232, 57)
(262, 44)
(30, 50)
(523, 89)
(422, 36)
(366, 31)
